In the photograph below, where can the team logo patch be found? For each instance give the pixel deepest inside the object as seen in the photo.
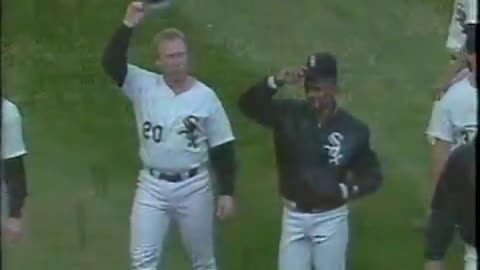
(191, 130)
(334, 147)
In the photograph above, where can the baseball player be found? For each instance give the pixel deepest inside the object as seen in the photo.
(182, 127)
(14, 184)
(453, 123)
(454, 198)
(324, 160)
(464, 13)
(464, 17)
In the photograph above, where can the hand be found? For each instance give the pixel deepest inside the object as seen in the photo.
(135, 13)
(290, 76)
(13, 229)
(225, 207)
(434, 265)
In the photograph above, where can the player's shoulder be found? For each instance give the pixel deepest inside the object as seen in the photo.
(357, 124)
(140, 73)
(458, 92)
(205, 92)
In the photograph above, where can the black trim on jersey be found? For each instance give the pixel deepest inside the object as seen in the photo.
(222, 158)
(15, 179)
(114, 59)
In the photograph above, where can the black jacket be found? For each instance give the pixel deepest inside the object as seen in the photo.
(312, 161)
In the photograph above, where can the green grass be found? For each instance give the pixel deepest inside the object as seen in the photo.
(80, 131)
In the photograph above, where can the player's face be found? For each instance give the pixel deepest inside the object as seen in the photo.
(173, 57)
(321, 96)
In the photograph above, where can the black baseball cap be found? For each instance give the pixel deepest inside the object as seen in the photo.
(321, 67)
(470, 32)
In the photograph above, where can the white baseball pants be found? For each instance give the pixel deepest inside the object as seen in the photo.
(157, 203)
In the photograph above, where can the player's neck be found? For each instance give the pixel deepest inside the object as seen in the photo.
(327, 114)
(179, 84)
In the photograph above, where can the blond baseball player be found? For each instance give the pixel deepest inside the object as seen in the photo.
(182, 127)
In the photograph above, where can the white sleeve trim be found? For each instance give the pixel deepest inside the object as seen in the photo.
(15, 154)
(220, 142)
(432, 136)
(271, 82)
(344, 190)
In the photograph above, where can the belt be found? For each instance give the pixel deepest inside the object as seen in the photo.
(173, 177)
(310, 209)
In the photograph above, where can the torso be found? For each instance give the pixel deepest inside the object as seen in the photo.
(165, 142)
(462, 104)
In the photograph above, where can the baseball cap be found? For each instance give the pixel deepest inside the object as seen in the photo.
(321, 66)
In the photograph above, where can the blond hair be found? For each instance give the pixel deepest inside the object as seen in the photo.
(168, 35)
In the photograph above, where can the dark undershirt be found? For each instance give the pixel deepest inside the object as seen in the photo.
(114, 62)
(15, 179)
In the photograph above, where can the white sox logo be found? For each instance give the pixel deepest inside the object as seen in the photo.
(191, 129)
(334, 148)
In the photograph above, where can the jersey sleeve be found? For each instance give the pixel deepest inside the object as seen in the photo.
(12, 136)
(440, 125)
(132, 85)
(471, 11)
(218, 129)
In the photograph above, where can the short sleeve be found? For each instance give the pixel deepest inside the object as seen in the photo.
(12, 135)
(134, 80)
(218, 127)
(471, 11)
(440, 125)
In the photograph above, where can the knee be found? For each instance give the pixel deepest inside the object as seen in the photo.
(144, 258)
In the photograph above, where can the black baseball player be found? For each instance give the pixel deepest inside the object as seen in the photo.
(324, 160)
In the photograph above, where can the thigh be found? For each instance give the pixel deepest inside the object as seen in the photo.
(295, 248)
(149, 224)
(330, 243)
(195, 218)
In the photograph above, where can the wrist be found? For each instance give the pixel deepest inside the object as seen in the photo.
(127, 23)
(274, 82)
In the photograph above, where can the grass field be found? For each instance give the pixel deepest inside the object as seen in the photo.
(80, 131)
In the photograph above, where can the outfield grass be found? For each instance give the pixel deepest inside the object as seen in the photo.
(81, 132)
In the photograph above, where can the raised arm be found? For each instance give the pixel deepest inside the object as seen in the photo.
(114, 59)
(257, 102)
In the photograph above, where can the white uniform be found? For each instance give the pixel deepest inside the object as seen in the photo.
(168, 145)
(12, 142)
(454, 117)
(464, 12)
(454, 120)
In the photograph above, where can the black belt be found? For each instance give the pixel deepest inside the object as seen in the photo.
(173, 177)
(311, 209)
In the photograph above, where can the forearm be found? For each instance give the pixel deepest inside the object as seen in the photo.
(439, 235)
(257, 102)
(440, 152)
(114, 59)
(16, 182)
(223, 161)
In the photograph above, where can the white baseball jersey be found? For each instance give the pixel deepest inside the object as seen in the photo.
(464, 12)
(175, 131)
(454, 117)
(12, 136)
